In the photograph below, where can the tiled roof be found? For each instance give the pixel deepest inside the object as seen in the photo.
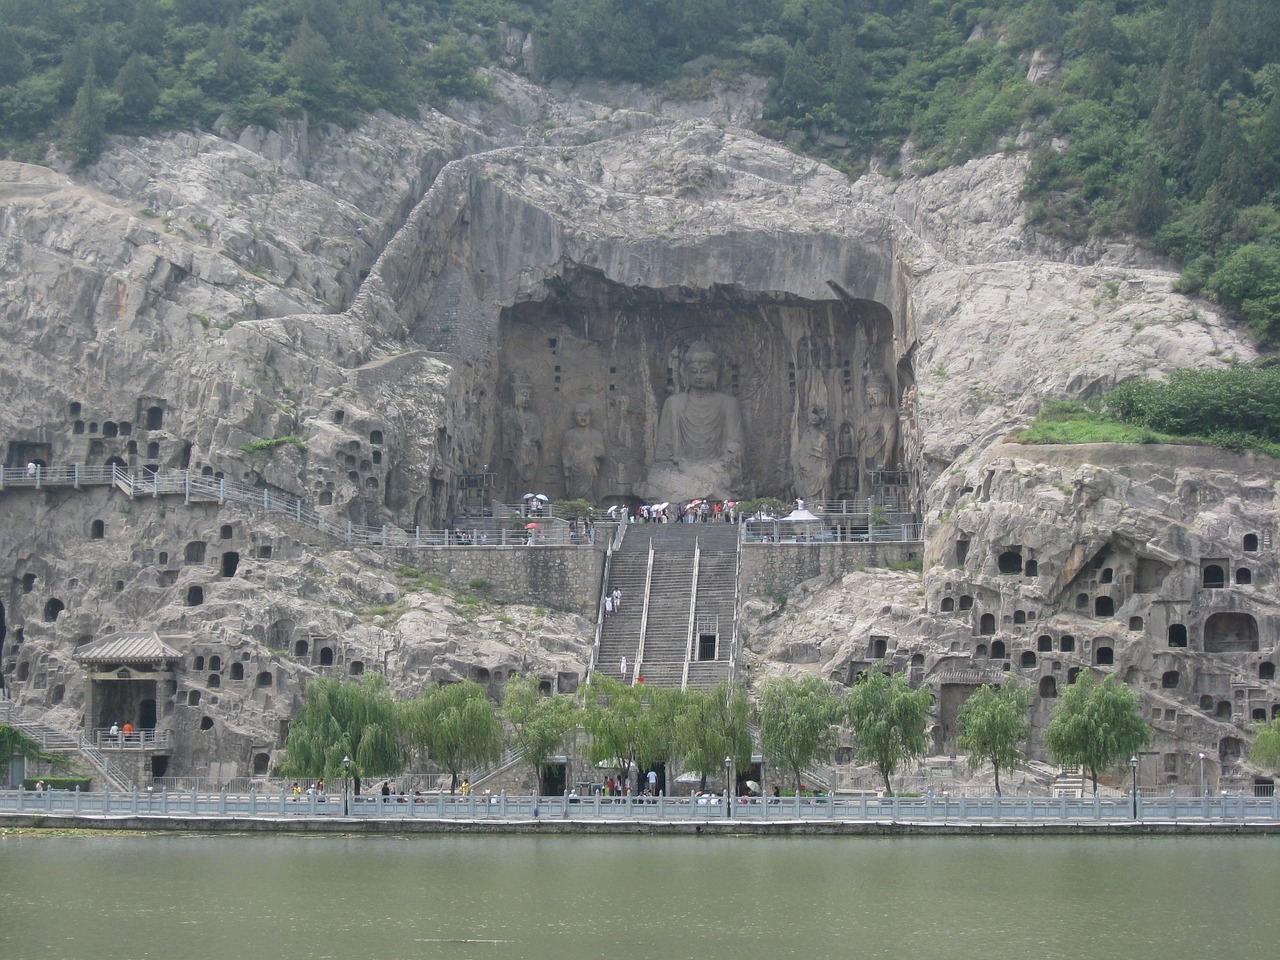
(976, 676)
(144, 647)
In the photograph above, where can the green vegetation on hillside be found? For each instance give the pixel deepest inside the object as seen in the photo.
(1237, 408)
(1159, 118)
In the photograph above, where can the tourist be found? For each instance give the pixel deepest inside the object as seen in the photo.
(115, 732)
(624, 669)
(616, 596)
(653, 781)
(608, 605)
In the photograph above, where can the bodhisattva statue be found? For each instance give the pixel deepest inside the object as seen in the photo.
(582, 454)
(811, 459)
(878, 426)
(521, 438)
(700, 436)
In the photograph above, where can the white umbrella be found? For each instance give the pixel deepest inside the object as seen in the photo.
(691, 776)
(528, 496)
(541, 496)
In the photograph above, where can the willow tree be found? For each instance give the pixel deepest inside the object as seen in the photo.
(455, 726)
(15, 743)
(344, 718)
(537, 723)
(1096, 724)
(1265, 751)
(993, 727)
(711, 725)
(797, 720)
(621, 729)
(889, 721)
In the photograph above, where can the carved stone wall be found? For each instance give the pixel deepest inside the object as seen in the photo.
(621, 352)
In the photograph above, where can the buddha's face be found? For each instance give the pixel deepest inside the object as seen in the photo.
(522, 396)
(701, 372)
(582, 415)
(817, 415)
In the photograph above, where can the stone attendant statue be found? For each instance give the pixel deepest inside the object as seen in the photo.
(521, 437)
(878, 428)
(582, 454)
(811, 458)
(700, 436)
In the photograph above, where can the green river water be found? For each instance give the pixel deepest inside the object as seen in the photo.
(500, 898)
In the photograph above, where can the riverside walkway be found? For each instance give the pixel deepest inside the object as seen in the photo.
(165, 809)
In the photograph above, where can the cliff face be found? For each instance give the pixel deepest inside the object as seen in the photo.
(384, 296)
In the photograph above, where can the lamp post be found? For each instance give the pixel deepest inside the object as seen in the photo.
(1133, 763)
(1202, 793)
(728, 794)
(346, 774)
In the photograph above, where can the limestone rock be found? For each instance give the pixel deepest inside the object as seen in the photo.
(338, 316)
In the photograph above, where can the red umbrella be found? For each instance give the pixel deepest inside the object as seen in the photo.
(530, 526)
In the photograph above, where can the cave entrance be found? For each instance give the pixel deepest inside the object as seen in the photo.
(1230, 633)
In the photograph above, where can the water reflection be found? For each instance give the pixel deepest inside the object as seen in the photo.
(1135, 898)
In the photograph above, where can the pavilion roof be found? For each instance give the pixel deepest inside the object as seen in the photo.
(140, 647)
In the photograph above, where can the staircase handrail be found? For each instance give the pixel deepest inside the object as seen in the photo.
(52, 739)
(612, 545)
(693, 606)
(737, 596)
(644, 613)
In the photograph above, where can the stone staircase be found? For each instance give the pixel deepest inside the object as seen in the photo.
(678, 581)
(620, 634)
(54, 740)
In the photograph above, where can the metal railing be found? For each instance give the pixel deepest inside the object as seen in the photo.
(865, 809)
(104, 739)
(786, 531)
(197, 487)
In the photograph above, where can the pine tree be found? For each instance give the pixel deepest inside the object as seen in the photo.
(85, 129)
(137, 88)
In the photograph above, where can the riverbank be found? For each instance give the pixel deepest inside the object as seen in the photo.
(595, 827)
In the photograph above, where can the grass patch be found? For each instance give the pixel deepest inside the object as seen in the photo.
(1069, 421)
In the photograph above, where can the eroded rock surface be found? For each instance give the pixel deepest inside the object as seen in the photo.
(372, 299)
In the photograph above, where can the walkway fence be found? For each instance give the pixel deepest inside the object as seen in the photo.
(199, 488)
(937, 810)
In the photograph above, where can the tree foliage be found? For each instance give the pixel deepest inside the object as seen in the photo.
(455, 726)
(1096, 725)
(1265, 750)
(622, 729)
(797, 719)
(15, 743)
(344, 718)
(889, 721)
(711, 725)
(993, 727)
(537, 723)
(1239, 406)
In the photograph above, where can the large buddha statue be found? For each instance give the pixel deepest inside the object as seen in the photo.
(700, 436)
(521, 438)
(581, 453)
(878, 426)
(811, 457)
